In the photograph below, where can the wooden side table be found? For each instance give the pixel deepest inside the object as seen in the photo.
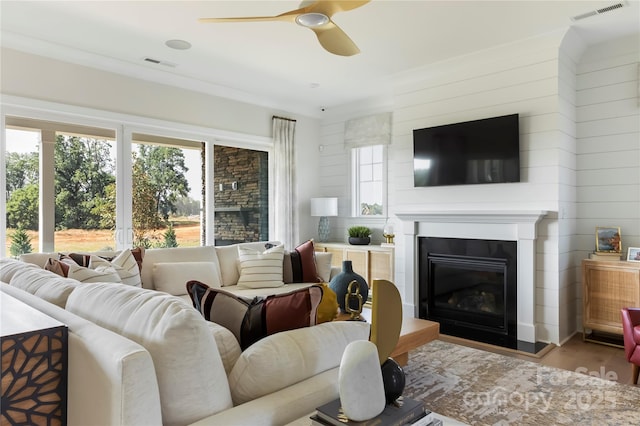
(415, 332)
(608, 286)
(34, 366)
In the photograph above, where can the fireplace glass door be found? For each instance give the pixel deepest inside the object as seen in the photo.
(468, 290)
(469, 287)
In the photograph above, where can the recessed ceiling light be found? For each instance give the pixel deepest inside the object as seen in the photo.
(178, 44)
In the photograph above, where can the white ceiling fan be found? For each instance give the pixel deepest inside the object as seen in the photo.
(315, 15)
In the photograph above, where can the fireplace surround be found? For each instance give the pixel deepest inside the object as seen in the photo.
(506, 225)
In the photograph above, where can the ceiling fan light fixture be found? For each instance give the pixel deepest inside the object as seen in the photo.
(312, 20)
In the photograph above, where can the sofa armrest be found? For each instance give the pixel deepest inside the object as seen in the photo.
(283, 406)
(105, 387)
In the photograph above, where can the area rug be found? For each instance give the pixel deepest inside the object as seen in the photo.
(482, 388)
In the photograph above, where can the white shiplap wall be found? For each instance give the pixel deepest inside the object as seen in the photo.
(533, 78)
(608, 146)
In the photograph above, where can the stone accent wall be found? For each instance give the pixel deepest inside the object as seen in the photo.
(241, 214)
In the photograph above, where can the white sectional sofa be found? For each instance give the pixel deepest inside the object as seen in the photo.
(141, 356)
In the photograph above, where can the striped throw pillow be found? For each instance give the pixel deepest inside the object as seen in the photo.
(252, 319)
(125, 264)
(102, 274)
(261, 269)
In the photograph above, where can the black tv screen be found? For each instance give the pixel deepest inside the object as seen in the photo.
(472, 152)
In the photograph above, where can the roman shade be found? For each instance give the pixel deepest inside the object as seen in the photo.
(368, 130)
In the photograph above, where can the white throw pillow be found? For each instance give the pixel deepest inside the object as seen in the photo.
(323, 265)
(228, 260)
(282, 359)
(100, 274)
(261, 269)
(124, 264)
(172, 277)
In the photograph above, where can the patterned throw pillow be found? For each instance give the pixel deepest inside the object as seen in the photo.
(57, 267)
(260, 269)
(251, 320)
(239, 315)
(300, 265)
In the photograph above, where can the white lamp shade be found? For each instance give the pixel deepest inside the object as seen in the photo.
(327, 206)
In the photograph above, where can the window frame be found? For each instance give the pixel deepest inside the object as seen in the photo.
(125, 125)
(355, 182)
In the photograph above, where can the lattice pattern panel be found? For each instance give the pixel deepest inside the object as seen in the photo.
(34, 378)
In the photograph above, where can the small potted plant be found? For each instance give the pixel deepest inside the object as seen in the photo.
(359, 235)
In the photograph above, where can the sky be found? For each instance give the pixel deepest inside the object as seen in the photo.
(23, 141)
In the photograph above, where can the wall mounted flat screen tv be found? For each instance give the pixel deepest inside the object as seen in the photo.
(472, 152)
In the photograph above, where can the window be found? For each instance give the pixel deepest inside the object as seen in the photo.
(167, 191)
(22, 189)
(84, 187)
(369, 180)
(70, 186)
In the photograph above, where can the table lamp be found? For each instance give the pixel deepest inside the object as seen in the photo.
(324, 207)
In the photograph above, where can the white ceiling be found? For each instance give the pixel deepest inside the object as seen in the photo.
(278, 63)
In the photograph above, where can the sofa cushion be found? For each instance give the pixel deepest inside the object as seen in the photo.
(259, 269)
(44, 284)
(180, 254)
(191, 377)
(310, 350)
(9, 266)
(252, 319)
(172, 277)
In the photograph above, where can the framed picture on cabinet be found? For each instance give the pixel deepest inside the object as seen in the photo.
(633, 254)
(608, 239)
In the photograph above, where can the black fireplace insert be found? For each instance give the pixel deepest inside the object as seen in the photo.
(469, 286)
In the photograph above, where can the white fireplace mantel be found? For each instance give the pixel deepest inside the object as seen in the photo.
(508, 225)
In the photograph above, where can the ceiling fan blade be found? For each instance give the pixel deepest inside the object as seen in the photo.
(330, 7)
(287, 16)
(335, 41)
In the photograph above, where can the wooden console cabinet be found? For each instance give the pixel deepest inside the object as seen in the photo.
(371, 261)
(608, 286)
(34, 366)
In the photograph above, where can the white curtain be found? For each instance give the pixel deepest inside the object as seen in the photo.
(285, 206)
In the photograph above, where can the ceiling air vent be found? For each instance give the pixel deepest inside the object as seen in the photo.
(598, 11)
(159, 62)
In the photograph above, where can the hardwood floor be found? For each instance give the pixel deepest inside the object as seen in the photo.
(599, 360)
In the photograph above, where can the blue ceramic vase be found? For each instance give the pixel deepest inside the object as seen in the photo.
(340, 282)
